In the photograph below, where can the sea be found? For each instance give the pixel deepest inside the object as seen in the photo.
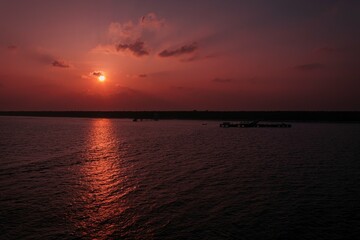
(78, 178)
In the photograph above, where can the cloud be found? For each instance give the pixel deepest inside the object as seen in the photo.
(151, 20)
(44, 57)
(186, 49)
(197, 58)
(105, 49)
(130, 31)
(142, 75)
(12, 47)
(137, 48)
(222, 80)
(310, 66)
(131, 36)
(191, 59)
(61, 64)
(96, 73)
(124, 31)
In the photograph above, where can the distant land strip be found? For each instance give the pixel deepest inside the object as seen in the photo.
(291, 116)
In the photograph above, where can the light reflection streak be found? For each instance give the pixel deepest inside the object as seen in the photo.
(102, 183)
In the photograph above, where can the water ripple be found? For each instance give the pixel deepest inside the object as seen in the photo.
(115, 179)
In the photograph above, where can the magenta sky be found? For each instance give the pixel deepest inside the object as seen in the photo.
(180, 55)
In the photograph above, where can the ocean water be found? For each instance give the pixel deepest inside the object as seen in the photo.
(68, 178)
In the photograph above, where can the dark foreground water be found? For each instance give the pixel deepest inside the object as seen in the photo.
(63, 178)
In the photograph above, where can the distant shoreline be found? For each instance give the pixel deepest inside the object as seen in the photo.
(289, 116)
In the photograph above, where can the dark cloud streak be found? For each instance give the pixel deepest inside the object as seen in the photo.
(96, 73)
(49, 59)
(60, 64)
(137, 48)
(186, 49)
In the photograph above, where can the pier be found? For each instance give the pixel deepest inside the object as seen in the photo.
(254, 124)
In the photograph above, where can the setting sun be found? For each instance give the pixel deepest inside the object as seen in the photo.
(101, 78)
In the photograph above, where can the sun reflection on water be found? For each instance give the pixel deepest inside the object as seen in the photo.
(102, 181)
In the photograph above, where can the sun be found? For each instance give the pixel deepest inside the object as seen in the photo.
(101, 78)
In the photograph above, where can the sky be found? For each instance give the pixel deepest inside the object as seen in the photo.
(180, 55)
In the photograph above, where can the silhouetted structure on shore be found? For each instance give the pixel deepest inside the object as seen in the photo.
(254, 124)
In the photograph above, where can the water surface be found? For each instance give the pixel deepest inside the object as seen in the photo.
(68, 178)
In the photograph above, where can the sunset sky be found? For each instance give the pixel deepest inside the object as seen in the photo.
(179, 55)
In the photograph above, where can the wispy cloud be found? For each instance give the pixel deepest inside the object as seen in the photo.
(12, 47)
(310, 66)
(197, 58)
(151, 20)
(60, 64)
(137, 48)
(186, 49)
(148, 35)
(132, 36)
(44, 57)
(105, 49)
(131, 31)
